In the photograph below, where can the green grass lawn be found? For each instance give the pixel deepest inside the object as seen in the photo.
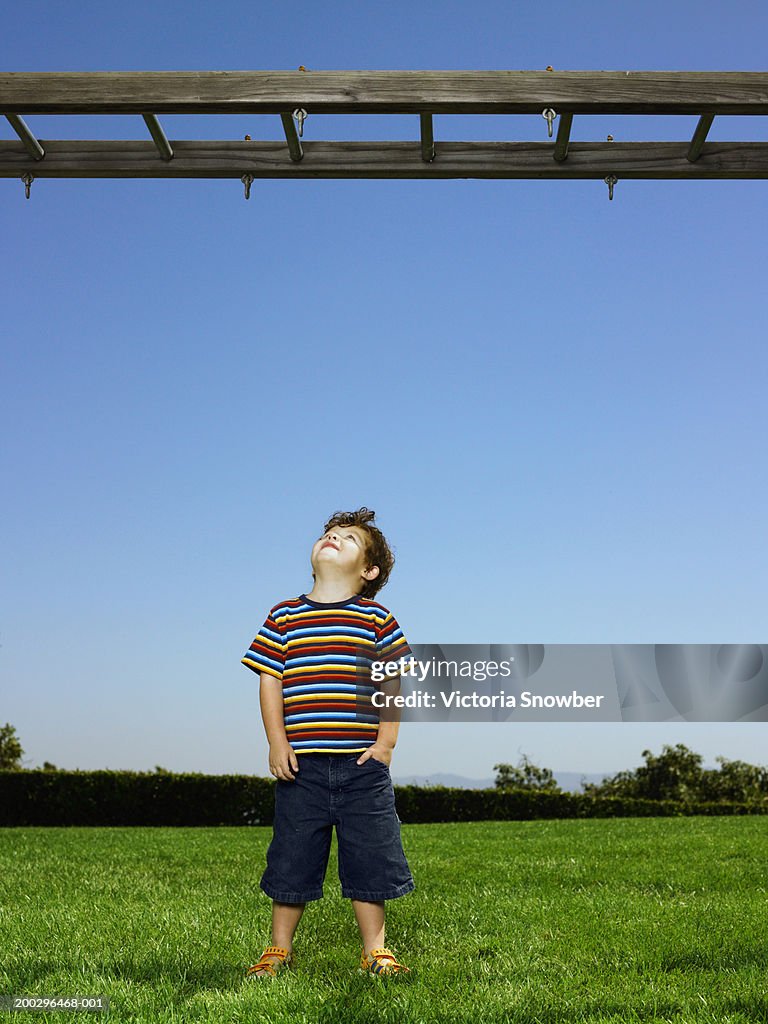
(544, 921)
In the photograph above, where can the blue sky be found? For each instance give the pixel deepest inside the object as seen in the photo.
(554, 403)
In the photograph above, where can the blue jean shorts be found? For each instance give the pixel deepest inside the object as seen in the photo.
(328, 790)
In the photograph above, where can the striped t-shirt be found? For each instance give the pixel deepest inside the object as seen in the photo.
(322, 653)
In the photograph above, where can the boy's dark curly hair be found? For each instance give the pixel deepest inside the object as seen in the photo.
(378, 550)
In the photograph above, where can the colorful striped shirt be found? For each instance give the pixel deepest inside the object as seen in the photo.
(323, 655)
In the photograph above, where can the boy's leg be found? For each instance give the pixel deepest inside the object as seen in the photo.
(285, 919)
(370, 921)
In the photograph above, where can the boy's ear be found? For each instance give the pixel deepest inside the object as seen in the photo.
(371, 572)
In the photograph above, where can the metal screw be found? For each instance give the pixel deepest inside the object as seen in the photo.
(27, 179)
(300, 114)
(549, 115)
(610, 181)
(247, 180)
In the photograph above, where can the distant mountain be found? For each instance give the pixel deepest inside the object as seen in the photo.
(569, 781)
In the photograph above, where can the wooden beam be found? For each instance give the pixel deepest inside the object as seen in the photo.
(31, 144)
(157, 133)
(384, 92)
(232, 159)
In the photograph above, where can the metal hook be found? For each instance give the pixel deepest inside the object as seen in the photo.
(610, 181)
(300, 114)
(549, 115)
(247, 180)
(27, 179)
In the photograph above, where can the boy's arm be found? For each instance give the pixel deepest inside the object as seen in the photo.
(389, 725)
(282, 756)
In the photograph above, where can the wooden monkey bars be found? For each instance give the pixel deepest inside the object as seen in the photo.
(565, 96)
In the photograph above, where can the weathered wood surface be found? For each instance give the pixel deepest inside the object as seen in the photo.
(231, 159)
(382, 92)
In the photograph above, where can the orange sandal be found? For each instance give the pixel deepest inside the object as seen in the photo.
(381, 961)
(267, 968)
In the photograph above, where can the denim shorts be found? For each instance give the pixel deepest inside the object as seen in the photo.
(328, 790)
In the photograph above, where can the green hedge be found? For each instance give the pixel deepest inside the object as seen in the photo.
(133, 798)
(416, 804)
(148, 798)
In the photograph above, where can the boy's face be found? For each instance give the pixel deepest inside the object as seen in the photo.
(344, 551)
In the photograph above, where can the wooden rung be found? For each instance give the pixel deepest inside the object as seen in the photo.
(31, 144)
(427, 138)
(699, 137)
(292, 137)
(157, 133)
(563, 137)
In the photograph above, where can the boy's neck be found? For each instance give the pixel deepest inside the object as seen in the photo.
(334, 590)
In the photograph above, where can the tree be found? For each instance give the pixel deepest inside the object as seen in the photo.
(10, 749)
(525, 775)
(675, 774)
(736, 781)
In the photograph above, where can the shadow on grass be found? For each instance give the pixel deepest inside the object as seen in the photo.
(356, 1007)
(215, 976)
(368, 999)
(752, 1010)
(710, 960)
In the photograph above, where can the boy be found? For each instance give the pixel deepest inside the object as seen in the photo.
(329, 747)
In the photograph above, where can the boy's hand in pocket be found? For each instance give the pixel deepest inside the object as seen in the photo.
(283, 761)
